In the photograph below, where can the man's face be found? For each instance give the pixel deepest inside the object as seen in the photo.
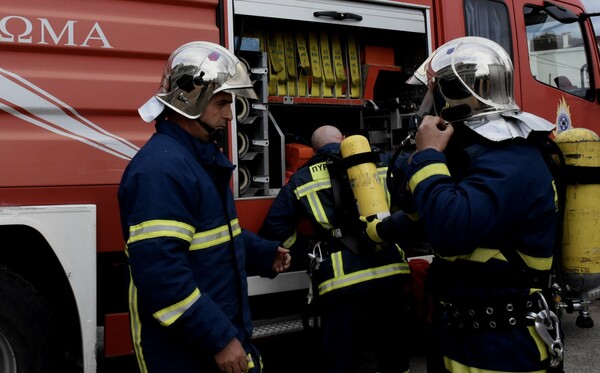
(216, 114)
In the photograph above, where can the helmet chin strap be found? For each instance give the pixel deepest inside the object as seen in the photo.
(214, 134)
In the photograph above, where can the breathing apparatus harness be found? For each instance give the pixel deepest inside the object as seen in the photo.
(347, 235)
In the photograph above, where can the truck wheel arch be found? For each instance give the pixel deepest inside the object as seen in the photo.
(29, 265)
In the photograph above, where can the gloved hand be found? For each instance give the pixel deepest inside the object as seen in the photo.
(371, 229)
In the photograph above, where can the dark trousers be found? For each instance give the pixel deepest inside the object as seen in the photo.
(366, 332)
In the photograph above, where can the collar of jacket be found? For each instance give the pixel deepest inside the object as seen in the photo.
(329, 148)
(205, 152)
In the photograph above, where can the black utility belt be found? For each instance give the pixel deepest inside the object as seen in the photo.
(487, 316)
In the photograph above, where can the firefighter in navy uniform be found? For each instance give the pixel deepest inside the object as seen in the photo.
(358, 289)
(186, 251)
(482, 191)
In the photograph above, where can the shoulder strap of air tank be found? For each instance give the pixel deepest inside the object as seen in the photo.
(555, 161)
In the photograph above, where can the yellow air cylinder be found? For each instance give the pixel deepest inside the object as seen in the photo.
(580, 255)
(368, 192)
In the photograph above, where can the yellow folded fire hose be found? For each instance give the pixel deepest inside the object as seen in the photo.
(315, 65)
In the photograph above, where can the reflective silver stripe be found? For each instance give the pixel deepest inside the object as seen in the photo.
(363, 276)
(160, 228)
(215, 236)
(337, 264)
(169, 315)
(312, 187)
(317, 210)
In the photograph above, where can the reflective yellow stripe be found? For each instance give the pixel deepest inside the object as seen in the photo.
(309, 190)
(456, 367)
(337, 264)
(363, 276)
(482, 255)
(160, 228)
(317, 210)
(427, 171)
(250, 361)
(539, 342)
(215, 236)
(312, 187)
(169, 315)
(290, 241)
(382, 178)
(136, 326)
(541, 264)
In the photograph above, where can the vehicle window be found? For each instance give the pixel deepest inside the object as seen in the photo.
(557, 55)
(488, 19)
(596, 26)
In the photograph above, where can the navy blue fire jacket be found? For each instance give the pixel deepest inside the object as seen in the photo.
(186, 252)
(490, 214)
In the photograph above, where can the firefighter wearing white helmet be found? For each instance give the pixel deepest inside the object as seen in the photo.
(186, 251)
(481, 191)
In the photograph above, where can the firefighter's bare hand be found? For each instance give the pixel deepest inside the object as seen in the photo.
(282, 260)
(433, 133)
(232, 358)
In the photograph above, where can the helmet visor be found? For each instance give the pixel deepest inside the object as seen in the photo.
(238, 83)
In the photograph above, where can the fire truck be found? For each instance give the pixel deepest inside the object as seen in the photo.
(73, 73)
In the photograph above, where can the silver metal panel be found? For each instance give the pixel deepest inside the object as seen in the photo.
(375, 14)
(286, 281)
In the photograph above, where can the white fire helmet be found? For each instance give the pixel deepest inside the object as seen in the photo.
(193, 74)
(471, 79)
